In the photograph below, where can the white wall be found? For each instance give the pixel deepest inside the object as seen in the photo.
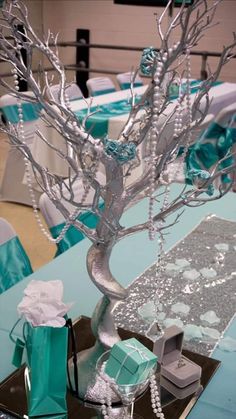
(122, 25)
(36, 18)
(129, 25)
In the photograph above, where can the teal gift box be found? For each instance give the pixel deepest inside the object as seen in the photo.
(130, 362)
(49, 417)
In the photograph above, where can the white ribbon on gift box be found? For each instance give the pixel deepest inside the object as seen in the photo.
(142, 354)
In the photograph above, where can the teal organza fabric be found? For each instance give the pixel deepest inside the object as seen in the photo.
(213, 145)
(73, 235)
(121, 152)
(14, 264)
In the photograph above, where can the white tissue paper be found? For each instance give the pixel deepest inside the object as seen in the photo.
(42, 304)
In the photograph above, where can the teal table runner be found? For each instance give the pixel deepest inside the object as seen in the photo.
(97, 124)
(136, 253)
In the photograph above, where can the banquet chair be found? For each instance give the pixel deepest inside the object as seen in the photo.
(14, 262)
(55, 220)
(12, 187)
(124, 80)
(72, 90)
(100, 86)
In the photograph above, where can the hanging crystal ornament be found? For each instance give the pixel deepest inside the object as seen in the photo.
(178, 126)
(154, 133)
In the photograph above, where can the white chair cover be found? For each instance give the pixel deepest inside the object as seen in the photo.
(73, 91)
(100, 85)
(6, 231)
(52, 215)
(12, 189)
(124, 80)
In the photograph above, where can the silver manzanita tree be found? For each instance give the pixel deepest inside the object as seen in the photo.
(116, 158)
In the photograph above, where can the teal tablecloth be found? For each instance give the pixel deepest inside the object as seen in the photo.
(130, 257)
(218, 401)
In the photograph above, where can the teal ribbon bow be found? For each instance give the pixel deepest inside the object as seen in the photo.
(213, 145)
(148, 59)
(121, 152)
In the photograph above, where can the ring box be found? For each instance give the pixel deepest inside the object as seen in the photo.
(180, 393)
(174, 366)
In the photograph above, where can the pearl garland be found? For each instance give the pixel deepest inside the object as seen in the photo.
(189, 111)
(188, 93)
(72, 217)
(155, 398)
(106, 404)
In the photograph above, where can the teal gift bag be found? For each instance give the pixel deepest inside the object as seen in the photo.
(46, 373)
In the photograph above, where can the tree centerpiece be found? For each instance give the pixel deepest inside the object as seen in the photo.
(87, 157)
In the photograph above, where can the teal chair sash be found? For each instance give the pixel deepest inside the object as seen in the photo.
(73, 235)
(103, 92)
(14, 264)
(212, 146)
(30, 112)
(125, 86)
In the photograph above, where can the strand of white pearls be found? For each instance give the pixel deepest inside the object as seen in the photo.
(188, 104)
(106, 403)
(154, 133)
(178, 124)
(76, 212)
(188, 93)
(107, 383)
(155, 398)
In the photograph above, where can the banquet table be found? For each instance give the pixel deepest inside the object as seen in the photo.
(130, 258)
(112, 113)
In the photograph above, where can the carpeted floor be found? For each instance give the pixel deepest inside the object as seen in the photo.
(38, 248)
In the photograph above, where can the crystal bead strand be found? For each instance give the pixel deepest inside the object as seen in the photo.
(154, 132)
(76, 212)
